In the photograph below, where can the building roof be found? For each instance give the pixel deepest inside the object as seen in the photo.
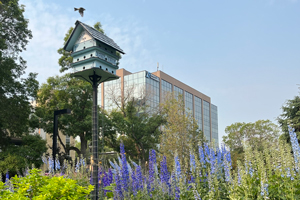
(96, 35)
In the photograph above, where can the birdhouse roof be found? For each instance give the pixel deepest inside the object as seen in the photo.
(94, 33)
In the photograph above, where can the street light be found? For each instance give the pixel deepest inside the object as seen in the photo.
(55, 132)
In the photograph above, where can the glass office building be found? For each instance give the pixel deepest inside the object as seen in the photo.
(150, 89)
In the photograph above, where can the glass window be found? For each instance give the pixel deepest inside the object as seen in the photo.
(214, 123)
(166, 88)
(198, 112)
(206, 119)
(177, 91)
(188, 103)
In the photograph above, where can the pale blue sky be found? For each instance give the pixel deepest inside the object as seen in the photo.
(244, 54)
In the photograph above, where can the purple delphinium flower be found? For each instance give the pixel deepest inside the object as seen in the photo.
(197, 195)
(192, 162)
(239, 177)
(107, 179)
(44, 159)
(57, 164)
(77, 166)
(177, 193)
(207, 152)
(118, 188)
(177, 168)
(110, 176)
(139, 177)
(6, 177)
(134, 164)
(219, 156)
(201, 155)
(152, 163)
(116, 168)
(226, 169)
(129, 168)
(82, 162)
(174, 183)
(100, 176)
(51, 165)
(124, 170)
(264, 189)
(212, 161)
(228, 158)
(134, 182)
(295, 147)
(164, 174)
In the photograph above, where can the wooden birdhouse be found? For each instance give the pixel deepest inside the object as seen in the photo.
(92, 49)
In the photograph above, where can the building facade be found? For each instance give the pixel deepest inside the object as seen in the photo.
(151, 89)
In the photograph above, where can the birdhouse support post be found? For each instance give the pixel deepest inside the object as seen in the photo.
(95, 82)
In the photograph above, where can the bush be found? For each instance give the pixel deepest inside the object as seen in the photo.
(37, 187)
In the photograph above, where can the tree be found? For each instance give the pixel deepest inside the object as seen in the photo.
(15, 92)
(181, 133)
(66, 92)
(139, 128)
(257, 135)
(15, 158)
(290, 116)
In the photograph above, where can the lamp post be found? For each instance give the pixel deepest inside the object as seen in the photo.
(55, 132)
(95, 76)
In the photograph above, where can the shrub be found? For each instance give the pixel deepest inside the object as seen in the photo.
(37, 187)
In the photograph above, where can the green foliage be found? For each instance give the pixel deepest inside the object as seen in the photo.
(139, 129)
(15, 158)
(15, 92)
(272, 168)
(37, 187)
(290, 116)
(255, 134)
(66, 92)
(180, 132)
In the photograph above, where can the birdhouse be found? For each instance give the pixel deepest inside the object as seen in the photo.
(92, 49)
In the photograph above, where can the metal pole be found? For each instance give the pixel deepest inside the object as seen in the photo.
(54, 146)
(95, 170)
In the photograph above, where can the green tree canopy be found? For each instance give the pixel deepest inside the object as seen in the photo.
(15, 92)
(15, 158)
(181, 132)
(66, 92)
(138, 128)
(257, 135)
(290, 116)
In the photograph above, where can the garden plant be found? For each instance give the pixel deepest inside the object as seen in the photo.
(271, 173)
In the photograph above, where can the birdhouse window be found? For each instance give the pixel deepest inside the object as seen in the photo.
(105, 58)
(83, 67)
(91, 55)
(77, 59)
(112, 71)
(84, 47)
(100, 67)
(106, 69)
(84, 57)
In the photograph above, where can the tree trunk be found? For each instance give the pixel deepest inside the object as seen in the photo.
(83, 145)
(143, 158)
